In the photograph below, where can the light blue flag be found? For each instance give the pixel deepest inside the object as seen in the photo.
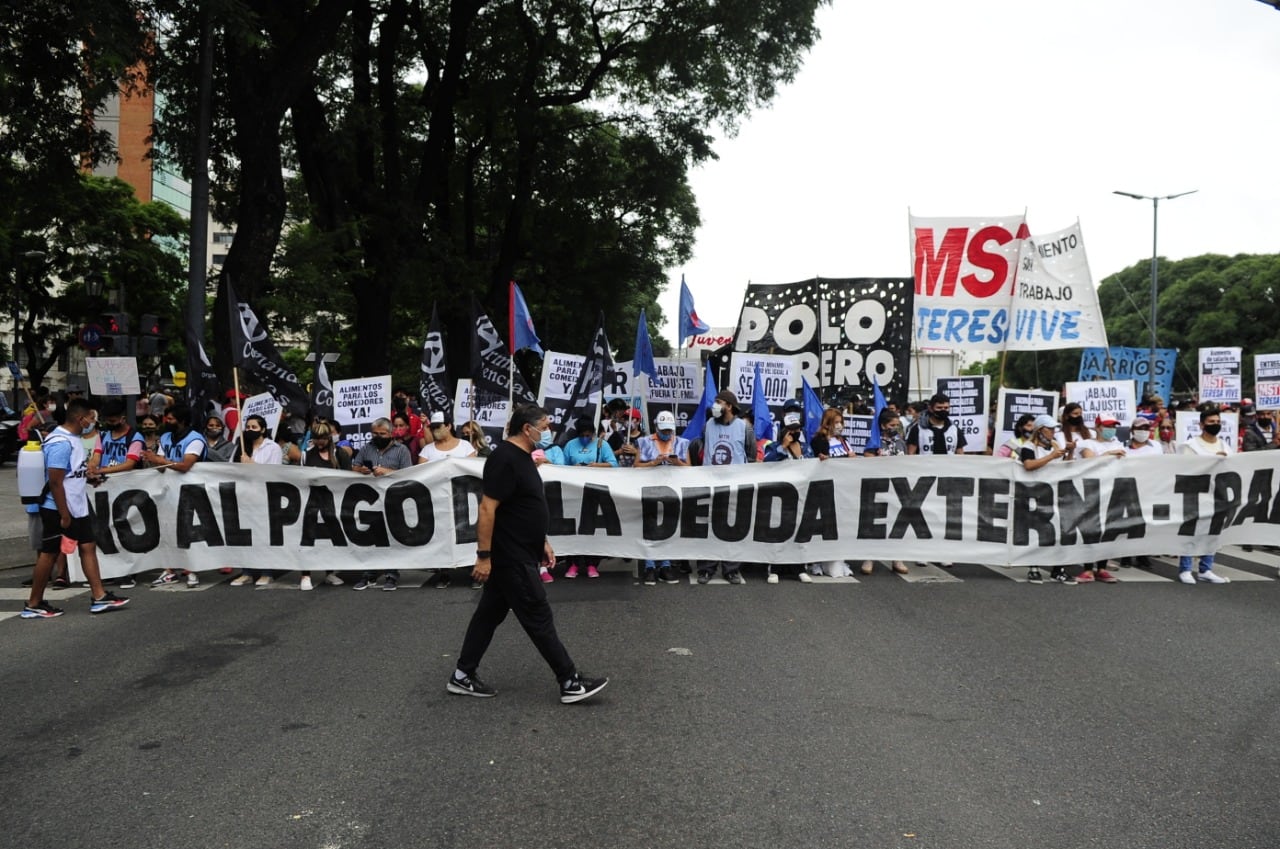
(690, 324)
(642, 362)
(696, 424)
(813, 409)
(521, 324)
(760, 409)
(873, 441)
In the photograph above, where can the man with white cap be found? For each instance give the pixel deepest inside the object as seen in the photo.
(791, 445)
(1039, 451)
(661, 448)
(727, 441)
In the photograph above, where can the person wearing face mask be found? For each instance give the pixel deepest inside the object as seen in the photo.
(215, 437)
(120, 450)
(1205, 444)
(936, 433)
(380, 456)
(1166, 436)
(726, 441)
(1258, 433)
(1073, 432)
(511, 540)
(443, 446)
(256, 447)
(1039, 451)
(402, 432)
(588, 449)
(661, 448)
(180, 448)
(149, 427)
(1140, 443)
(626, 437)
(1022, 433)
(1104, 444)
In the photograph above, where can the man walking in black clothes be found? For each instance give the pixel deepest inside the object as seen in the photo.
(511, 533)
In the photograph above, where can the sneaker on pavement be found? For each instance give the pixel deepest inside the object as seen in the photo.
(771, 578)
(578, 688)
(546, 576)
(127, 582)
(667, 576)
(805, 577)
(109, 601)
(439, 579)
(1034, 576)
(470, 686)
(476, 585)
(703, 577)
(734, 577)
(193, 580)
(593, 572)
(43, 610)
(333, 580)
(304, 584)
(1085, 577)
(362, 584)
(263, 581)
(571, 572)
(1106, 577)
(1060, 575)
(1186, 577)
(165, 577)
(1207, 576)
(241, 580)
(389, 584)
(650, 578)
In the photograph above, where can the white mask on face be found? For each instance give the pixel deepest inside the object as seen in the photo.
(717, 410)
(1141, 436)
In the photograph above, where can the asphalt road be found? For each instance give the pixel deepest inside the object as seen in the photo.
(977, 713)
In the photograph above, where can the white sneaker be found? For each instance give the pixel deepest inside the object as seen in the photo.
(192, 579)
(333, 580)
(241, 581)
(805, 577)
(1186, 577)
(263, 581)
(305, 584)
(772, 579)
(1208, 577)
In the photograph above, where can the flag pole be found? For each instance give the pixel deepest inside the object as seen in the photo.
(235, 376)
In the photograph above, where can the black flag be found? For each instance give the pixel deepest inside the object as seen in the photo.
(321, 387)
(491, 371)
(433, 382)
(252, 351)
(590, 382)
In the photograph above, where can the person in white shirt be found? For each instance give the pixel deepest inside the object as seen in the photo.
(259, 448)
(1039, 450)
(1140, 443)
(444, 445)
(1206, 444)
(1104, 442)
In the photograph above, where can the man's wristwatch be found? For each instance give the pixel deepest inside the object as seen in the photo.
(482, 554)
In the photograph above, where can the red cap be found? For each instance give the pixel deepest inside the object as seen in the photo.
(1107, 421)
(635, 414)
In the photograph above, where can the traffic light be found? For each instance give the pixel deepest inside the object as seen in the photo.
(152, 341)
(115, 333)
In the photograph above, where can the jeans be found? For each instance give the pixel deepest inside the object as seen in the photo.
(1206, 563)
(657, 564)
(515, 587)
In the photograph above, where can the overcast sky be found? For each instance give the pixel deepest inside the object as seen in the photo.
(988, 108)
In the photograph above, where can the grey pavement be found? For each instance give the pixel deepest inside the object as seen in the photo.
(978, 712)
(14, 550)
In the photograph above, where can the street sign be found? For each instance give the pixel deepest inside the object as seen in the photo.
(91, 337)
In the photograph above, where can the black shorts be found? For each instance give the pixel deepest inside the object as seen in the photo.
(80, 530)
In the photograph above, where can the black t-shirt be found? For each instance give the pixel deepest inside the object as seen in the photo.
(520, 525)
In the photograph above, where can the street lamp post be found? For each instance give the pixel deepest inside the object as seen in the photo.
(1155, 218)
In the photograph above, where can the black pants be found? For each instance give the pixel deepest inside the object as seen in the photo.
(515, 587)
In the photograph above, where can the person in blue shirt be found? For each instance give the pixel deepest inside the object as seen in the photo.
(791, 445)
(181, 447)
(586, 449)
(661, 448)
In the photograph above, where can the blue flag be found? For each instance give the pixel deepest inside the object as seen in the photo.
(642, 362)
(873, 441)
(689, 321)
(760, 409)
(521, 324)
(813, 409)
(696, 424)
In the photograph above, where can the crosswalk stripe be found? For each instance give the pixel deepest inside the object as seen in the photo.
(1228, 572)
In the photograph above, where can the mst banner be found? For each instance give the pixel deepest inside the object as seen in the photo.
(978, 509)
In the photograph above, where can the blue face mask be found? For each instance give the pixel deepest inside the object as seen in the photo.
(665, 435)
(1108, 434)
(546, 438)
(585, 440)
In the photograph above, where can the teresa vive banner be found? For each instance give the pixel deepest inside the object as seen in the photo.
(978, 509)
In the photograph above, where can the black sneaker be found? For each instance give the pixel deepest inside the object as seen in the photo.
(734, 577)
(109, 601)
(389, 584)
(43, 610)
(667, 576)
(579, 689)
(363, 584)
(1034, 576)
(127, 582)
(703, 577)
(439, 579)
(470, 686)
(651, 577)
(1060, 575)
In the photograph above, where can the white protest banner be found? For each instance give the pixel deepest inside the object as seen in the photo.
(263, 404)
(1220, 375)
(972, 508)
(492, 417)
(113, 375)
(676, 387)
(969, 396)
(964, 272)
(1055, 304)
(780, 376)
(1186, 425)
(357, 403)
(1113, 398)
(1266, 380)
(1012, 403)
(559, 376)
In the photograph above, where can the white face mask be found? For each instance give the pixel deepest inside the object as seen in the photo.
(1141, 436)
(717, 410)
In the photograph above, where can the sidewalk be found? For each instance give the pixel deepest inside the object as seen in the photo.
(14, 551)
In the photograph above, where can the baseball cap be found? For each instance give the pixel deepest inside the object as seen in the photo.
(1140, 423)
(1106, 421)
(1044, 420)
(437, 418)
(665, 421)
(791, 419)
(1248, 409)
(792, 404)
(635, 414)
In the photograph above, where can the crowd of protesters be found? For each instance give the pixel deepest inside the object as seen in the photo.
(167, 435)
